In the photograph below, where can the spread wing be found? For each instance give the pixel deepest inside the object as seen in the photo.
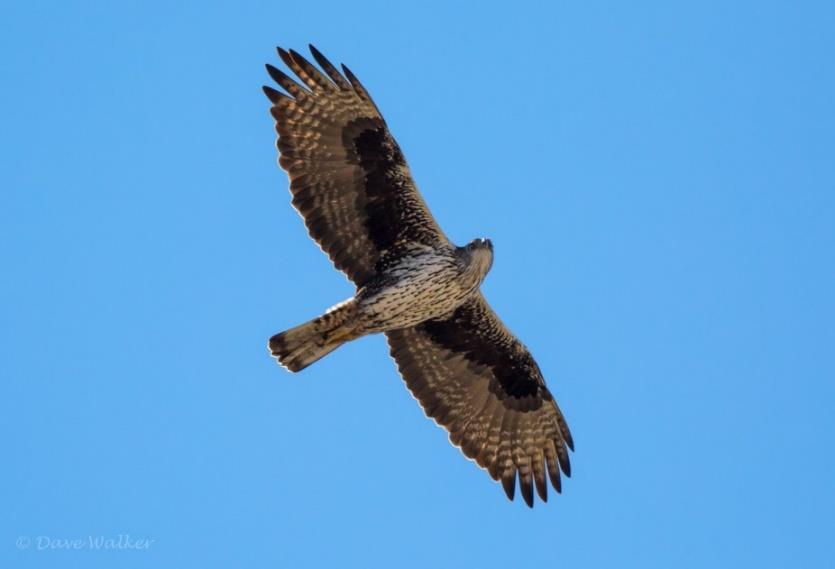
(473, 377)
(348, 178)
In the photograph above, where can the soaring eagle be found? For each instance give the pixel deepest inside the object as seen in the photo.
(352, 186)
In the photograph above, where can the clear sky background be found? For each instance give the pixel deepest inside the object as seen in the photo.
(659, 185)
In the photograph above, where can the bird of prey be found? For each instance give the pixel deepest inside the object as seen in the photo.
(352, 186)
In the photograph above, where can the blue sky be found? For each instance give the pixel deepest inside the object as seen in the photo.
(659, 185)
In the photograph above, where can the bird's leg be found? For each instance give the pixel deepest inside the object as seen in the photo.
(339, 323)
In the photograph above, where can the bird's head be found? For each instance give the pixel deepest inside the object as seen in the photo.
(478, 257)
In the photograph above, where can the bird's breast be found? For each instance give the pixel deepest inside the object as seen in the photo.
(416, 289)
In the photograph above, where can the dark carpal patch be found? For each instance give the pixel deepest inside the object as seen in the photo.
(391, 216)
(516, 374)
(380, 158)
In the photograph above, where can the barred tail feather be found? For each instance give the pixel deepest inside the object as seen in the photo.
(307, 343)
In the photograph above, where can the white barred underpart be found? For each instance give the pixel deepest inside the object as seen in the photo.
(428, 285)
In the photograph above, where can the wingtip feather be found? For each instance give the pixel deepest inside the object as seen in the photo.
(273, 95)
(509, 485)
(565, 462)
(526, 486)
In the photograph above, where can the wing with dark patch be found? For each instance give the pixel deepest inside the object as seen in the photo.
(473, 377)
(348, 178)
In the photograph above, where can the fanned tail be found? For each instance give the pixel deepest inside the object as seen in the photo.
(307, 343)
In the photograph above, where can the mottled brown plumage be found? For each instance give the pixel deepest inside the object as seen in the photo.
(353, 188)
